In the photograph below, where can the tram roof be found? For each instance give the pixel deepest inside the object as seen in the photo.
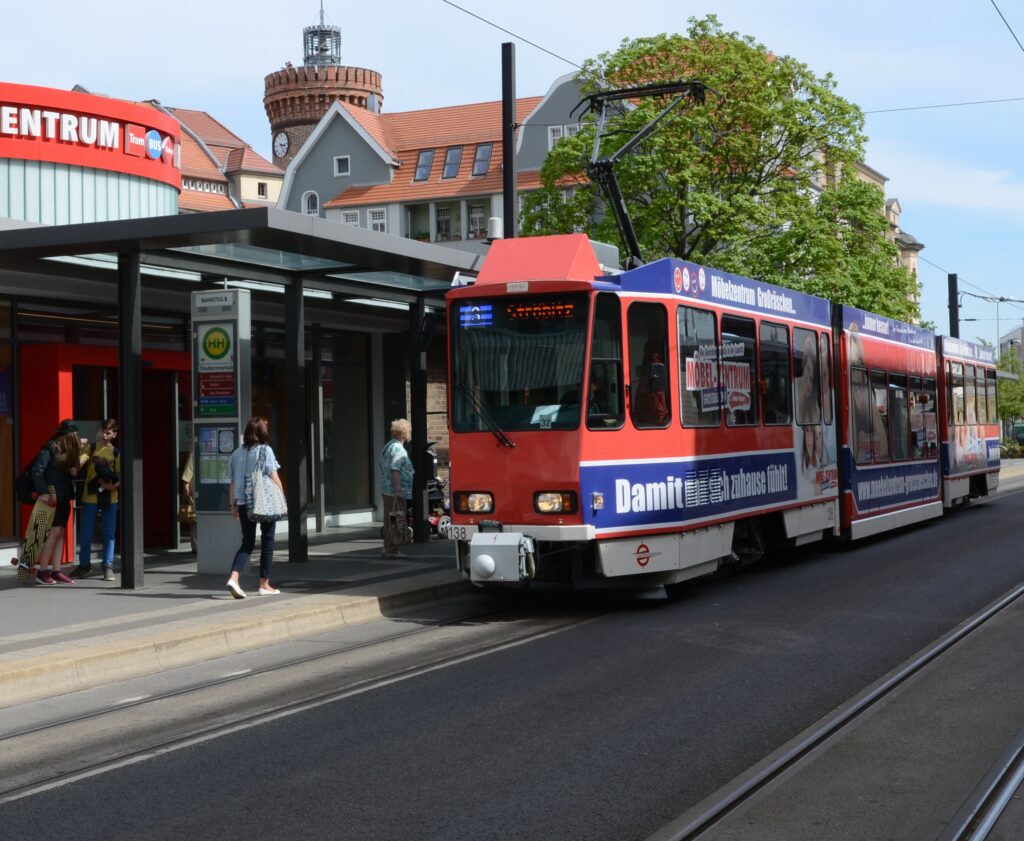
(262, 245)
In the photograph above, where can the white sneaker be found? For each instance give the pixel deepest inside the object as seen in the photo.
(235, 590)
(270, 591)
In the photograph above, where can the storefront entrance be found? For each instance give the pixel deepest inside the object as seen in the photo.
(80, 382)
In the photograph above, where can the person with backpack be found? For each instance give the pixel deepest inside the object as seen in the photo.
(99, 498)
(53, 472)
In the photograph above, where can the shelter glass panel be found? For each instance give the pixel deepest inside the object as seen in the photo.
(345, 378)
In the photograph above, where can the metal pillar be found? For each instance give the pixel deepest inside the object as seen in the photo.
(418, 399)
(296, 464)
(954, 307)
(129, 310)
(510, 195)
(319, 485)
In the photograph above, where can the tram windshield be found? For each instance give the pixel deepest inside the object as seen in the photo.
(517, 363)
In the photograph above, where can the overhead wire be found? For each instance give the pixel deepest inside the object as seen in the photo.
(1007, 23)
(1012, 302)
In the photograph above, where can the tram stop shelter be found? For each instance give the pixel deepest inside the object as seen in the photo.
(286, 251)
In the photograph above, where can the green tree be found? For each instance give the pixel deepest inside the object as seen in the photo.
(759, 180)
(1010, 392)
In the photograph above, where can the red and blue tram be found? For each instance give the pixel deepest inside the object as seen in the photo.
(651, 426)
(889, 438)
(969, 436)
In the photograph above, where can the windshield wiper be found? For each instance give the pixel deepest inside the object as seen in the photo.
(492, 424)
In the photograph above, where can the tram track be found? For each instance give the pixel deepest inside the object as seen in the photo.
(973, 823)
(157, 743)
(977, 820)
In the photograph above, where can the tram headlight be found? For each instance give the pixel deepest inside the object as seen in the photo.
(555, 502)
(473, 502)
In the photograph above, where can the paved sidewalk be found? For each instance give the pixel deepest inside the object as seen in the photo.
(62, 638)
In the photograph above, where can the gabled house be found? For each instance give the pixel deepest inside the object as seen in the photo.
(433, 175)
(219, 170)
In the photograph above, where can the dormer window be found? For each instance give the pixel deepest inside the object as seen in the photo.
(423, 164)
(482, 161)
(452, 159)
(556, 133)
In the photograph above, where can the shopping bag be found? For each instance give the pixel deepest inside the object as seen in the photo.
(401, 534)
(268, 502)
(187, 513)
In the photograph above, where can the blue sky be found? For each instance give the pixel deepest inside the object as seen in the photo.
(958, 172)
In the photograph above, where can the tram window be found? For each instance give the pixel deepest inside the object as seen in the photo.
(739, 370)
(860, 416)
(650, 404)
(825, 363)
(605, 408)
(899, 417)
(880, 419)
(955, 393)
(775, 379)
(931, 434)
(991, 395)
(805, 376)
(915, 407)
(970, 394)
(700, 396)
(980, 399)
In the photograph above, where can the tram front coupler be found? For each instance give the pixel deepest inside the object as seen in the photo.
(501, 556)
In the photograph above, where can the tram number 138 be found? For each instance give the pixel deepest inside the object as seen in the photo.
(457, 533)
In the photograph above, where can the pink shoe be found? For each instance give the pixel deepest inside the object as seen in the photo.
(60, 578)
(43, 576)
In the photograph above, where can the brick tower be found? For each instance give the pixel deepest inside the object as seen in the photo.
(295, 98)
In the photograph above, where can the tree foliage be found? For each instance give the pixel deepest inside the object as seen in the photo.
(1011, 392)
(759, 180)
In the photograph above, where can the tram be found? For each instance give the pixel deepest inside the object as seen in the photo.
(970, 420)
(646, 427)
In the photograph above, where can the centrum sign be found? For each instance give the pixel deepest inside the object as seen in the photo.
(67, 127)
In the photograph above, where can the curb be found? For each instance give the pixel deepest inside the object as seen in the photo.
(34, 674)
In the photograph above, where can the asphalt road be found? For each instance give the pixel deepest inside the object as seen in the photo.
(606, 730)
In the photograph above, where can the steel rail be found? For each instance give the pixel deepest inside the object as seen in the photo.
(979, 817)
(691, 828)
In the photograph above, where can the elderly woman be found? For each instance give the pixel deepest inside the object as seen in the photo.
(396, 473)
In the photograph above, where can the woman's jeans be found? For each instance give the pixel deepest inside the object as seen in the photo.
(249, 541)
(88, 526)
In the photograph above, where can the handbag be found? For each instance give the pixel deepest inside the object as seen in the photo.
(399, 523)
(187, 513)
(268, 502)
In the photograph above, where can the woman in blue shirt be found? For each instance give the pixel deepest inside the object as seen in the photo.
(396, 473)
(243, 462)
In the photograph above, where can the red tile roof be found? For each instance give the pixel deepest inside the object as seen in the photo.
(403, 135)
(195, 163)
(191, 201)
(231, 152)
(247, 160)
(209, 129)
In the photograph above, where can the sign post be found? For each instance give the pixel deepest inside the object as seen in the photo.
(221, 405)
